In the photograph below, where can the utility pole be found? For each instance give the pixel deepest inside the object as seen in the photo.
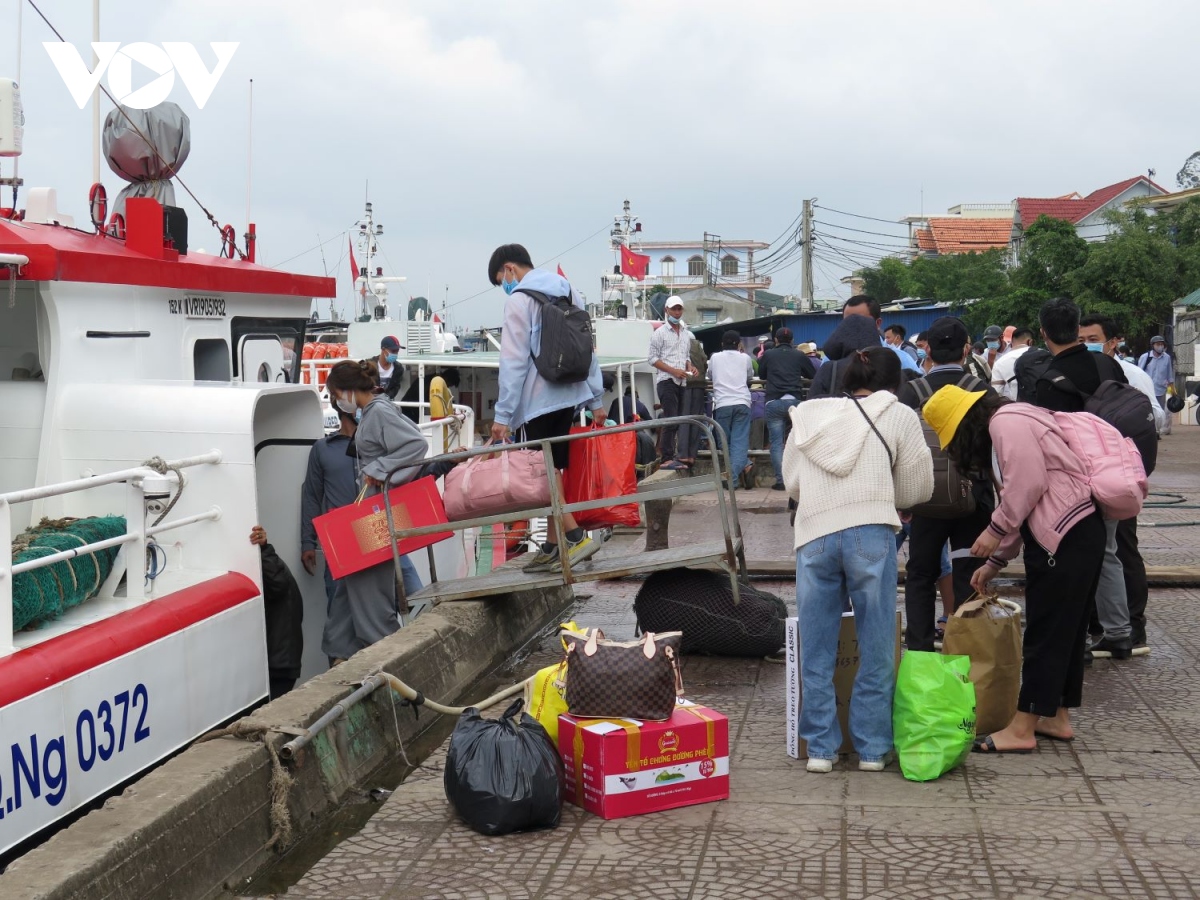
(806, 285)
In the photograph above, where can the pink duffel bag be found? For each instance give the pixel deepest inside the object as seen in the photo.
(509, 481)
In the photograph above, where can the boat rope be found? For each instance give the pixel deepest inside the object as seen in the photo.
(162, 467)
(281, 779)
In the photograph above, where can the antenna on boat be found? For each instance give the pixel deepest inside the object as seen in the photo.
(250, 154)
(95, 94)
(16, 176)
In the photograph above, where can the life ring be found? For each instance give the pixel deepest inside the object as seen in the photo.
(228, 242)
(98, 206)
(518, 534)
(116, 226)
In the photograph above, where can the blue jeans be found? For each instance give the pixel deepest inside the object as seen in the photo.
(859, 562)
(735, 422)
(779, 424)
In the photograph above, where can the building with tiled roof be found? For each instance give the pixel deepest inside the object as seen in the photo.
(1087, 214)
(948, 235)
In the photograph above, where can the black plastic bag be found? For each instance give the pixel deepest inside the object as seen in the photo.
(505, 774)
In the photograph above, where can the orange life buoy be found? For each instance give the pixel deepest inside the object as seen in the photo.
(98, 206)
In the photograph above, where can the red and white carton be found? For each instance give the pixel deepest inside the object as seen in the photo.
(625, 767)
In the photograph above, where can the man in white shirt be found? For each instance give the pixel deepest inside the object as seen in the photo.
(1004, 375)
(731, 371)
(668, 354)
(1099, 333)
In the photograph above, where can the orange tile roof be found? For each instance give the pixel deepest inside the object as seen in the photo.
(956, 234)
(1072, 207)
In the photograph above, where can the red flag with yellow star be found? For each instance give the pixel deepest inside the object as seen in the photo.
(635, 265)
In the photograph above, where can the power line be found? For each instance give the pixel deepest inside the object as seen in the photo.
(877, 245)
(856, 230)
(858, 216)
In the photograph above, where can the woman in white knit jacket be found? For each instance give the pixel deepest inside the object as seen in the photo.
(851, 462)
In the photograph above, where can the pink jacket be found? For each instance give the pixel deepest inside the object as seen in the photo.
(1044, 482)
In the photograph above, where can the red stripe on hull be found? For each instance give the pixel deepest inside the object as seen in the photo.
(44, 665)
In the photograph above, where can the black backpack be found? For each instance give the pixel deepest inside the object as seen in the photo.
(1029, 369)
(1122, 406)
(565, 356)
(953, 496)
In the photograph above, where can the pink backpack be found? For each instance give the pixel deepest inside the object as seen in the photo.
(1114, 466)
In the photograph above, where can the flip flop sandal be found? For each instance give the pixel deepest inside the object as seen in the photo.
(985, 744)
(1053, 737)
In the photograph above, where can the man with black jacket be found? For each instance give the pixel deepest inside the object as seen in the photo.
(284, 608)
(947, 339)
(1059, 319)
(782, 369)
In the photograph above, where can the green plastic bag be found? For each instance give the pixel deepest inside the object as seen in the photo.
(933, 715)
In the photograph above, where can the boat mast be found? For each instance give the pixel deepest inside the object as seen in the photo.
(625, 229)
(368, 231)
(95, 94)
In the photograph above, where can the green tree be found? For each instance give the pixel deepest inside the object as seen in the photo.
(887, 282)
(1051, 251)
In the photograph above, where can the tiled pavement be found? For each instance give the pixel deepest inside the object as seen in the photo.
(1115, 814)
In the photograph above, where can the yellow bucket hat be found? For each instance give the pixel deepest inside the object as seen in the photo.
(945, 410)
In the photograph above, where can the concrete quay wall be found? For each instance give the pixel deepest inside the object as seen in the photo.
(204, 819)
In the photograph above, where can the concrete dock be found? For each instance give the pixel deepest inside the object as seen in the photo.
(1113, 814)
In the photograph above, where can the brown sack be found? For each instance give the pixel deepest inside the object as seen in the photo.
(988, 630)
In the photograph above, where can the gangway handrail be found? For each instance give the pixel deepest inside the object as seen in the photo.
(727, 506)
(135, 513)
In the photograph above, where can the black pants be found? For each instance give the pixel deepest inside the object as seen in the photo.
(925, 541)
(688, 440)
(1136, 589)
(670, 399)
(1058, 592)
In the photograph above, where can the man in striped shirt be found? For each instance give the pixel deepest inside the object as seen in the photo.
(669, 355)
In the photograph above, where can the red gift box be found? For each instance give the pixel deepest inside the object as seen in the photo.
(355, 537)
(622, 767)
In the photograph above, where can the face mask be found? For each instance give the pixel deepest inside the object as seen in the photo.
(1159, 348)
(1095, 348)
(347, 405)
(391, 358)
(920, 354)
(357, 416)
(993, 345)
(509, 286)
(674, 320)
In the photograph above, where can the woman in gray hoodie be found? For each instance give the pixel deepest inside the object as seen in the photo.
(385, 440)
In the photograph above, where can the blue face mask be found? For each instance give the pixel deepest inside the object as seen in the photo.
(391, 358)
(1095, 348)
(358, 415)
(674, 320)
(993, 345)
(509, 286)
(920, 354)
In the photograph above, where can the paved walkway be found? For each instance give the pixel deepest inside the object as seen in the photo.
(1114, 814)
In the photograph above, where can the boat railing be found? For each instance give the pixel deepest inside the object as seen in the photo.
(132, 542)
(456, 430)
(728, 556)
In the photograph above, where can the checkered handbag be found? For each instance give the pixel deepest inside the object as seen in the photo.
(630, 680)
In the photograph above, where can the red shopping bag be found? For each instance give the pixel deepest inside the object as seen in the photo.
(603, 466)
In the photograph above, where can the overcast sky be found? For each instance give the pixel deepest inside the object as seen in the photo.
(479, 123)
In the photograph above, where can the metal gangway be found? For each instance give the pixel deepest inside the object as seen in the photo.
(727, 554)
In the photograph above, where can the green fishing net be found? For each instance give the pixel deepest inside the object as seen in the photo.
(41, 595)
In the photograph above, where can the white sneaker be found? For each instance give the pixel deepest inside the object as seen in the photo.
(871, 765)
(820, 766)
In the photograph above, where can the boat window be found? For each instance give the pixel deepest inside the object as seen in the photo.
(695, 266)
(289, 331)
(210, 357)
(19, 355)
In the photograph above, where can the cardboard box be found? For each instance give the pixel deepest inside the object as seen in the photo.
(624, 767)
(844, 672)
(355, 537)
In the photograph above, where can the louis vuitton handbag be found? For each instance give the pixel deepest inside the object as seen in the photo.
(622, 680)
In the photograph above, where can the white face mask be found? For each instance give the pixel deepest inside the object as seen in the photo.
(347, 404)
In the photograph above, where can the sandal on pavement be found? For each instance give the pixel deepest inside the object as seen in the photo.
(985, 744)
(1053, 737)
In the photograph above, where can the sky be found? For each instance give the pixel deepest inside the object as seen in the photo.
(481, 122)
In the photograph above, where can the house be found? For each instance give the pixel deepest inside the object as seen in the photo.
(1087, 214)
(966, 228)
(712, 262)
(708, 305)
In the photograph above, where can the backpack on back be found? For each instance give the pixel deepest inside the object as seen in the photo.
(565, 356)
(1122, 406)
(952, 496)
(1028, 369)
(1114, 467)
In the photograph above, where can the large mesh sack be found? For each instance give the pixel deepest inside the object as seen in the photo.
(700, 604)
(42, 595)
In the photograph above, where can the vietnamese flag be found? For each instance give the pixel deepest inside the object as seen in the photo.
(633, 264)
(353, 265)
(561, 273)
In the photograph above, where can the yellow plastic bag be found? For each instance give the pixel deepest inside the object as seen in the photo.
(545, 695)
